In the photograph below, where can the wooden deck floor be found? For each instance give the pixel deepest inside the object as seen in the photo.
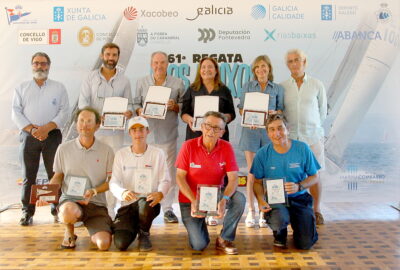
(355, 236)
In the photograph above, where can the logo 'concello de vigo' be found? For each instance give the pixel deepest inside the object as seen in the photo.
(85, 36)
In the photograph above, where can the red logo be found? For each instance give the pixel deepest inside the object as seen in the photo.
(54, 36)
(130, 13)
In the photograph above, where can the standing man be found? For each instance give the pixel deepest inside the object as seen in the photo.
(164, 133)
(206, 160)
(137, 168)
(40, 108)
(306, 109)
(293, 161)
(88, 160)
(107, 81)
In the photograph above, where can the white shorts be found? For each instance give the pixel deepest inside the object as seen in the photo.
(318, 149)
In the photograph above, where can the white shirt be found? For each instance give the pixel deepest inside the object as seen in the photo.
(305, 109)
(125, 164)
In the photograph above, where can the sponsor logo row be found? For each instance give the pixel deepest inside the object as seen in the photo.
(329, 12)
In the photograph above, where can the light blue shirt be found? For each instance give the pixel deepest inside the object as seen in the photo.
(295, 165)
(305, 109)
(95, 88)
(39, 105)
(275, 92)
(166, 130)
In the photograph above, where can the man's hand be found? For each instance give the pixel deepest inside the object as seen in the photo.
(128, 114)
(171, 105)
(291, 187)
(221, 208)
(41, 202)
(155, 198)
(40, 132)
(193, 207)
(128, 195)
(264, 206)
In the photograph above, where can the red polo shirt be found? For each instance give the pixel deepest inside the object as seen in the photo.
(203, 167)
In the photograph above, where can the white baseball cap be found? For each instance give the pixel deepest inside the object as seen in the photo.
(137, 120)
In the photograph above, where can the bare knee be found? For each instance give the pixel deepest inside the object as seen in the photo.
(102, 240)
(69, 213)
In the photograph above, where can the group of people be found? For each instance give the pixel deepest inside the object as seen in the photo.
(40, 109)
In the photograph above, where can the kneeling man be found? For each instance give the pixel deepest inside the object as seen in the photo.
(206, 160)
(140, 181)
(84, 160)
(294, 161)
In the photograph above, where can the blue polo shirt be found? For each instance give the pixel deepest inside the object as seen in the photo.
(295, 165)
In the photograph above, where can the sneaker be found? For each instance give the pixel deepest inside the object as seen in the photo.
(55, 219)
(250, 221)
(262, 222)
(211, 221)
(280, 239)
(144, 241)
(170, 217)
(26, 220)
(226, 246)
(278, 243)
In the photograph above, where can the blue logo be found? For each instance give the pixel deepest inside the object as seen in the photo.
(258, 12)
(384, 14)
(58, 14)
(270, 35)
(326, 12)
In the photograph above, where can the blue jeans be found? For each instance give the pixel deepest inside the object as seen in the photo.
(301, 216)
(197, 228)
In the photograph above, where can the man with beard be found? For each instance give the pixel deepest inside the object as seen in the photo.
(107, 81)
(40, 108)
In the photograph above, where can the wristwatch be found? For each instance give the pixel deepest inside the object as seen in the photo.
(300, 186)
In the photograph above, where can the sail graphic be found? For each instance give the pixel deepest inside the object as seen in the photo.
(357, 83)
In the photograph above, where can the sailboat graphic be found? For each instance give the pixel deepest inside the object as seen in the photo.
(357, 82)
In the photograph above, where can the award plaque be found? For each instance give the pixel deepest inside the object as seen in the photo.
(77, 186)
(207, 200)
(198, 120)
(143, 181)
(114, 120)
(274, 192)
(48, 193)
(155, 110)
(254, 118)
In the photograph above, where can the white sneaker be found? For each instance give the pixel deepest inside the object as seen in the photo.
(211, 221)
(262, 222)
(250, 221)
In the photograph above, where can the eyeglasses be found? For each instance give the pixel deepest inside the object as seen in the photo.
(209, 127)
(36, 64)
(296, 60)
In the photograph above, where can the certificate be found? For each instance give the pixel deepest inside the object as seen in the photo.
(114, 120)
(113, 113)
(155, 110)
(255, 110)
(143, 181)
(207, 200)
(155, 103)
(77, 186)
(203, 104)
(48, 193)
(274, 191)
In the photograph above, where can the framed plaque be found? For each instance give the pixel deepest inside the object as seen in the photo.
(77, 186)
(207, 200)
(254, 118)
(114, 120)
(48, 193)
(274, 192)
(155, 110)
(143, 181)
(198, 120)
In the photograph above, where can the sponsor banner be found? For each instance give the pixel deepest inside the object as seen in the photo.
(39, 37)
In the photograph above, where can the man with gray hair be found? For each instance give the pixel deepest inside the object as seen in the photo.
(306, 109)
(40, 108)
(164, 132)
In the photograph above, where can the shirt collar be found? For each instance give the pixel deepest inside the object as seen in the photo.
(200, 144)
(93, 147)
(269, 83)
(117, 71)
(154, 81)
(304, 79)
